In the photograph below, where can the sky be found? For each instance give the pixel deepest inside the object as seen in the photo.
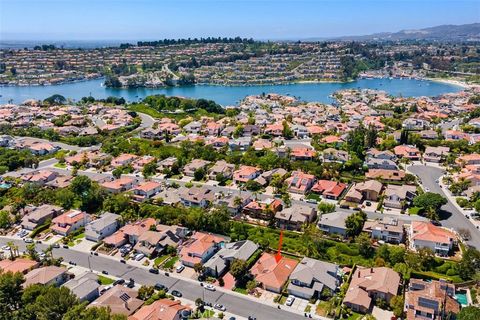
(259, 19)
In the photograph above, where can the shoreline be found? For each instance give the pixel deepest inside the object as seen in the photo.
(451, 81)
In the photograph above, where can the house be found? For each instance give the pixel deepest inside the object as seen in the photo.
(370, 284)
(123, 160)
(119, 185)
(300, 182)
(368, 190)
(262, 209)
(130, 233)
(390, 175)
(106, 225)
(275, 129)
(146, 190)
(272, 274)
(48, 276)
(199, 248)
(40, 177)
(39, 216)
(388, 229)
(408, 152)
(163, 309)
(430, 300)
(219, 264)
(302, 153)
(20, 265)
(194, 165)
(251, 130)
(151, 242)
(310, 277)
(245, 173)
(193, 127)
(197, 197)
(415, 124)
(468, 159)
(265, 177)
(334, 155)
(399, 196)
(262, 144)
(385, 164)
(240, 144)
(120, 300)
(167, 164)
(435, 154)
(234, 203)
(69, 221)
(329, 189)
(300, 131)
(427, 235)
(221, 168)
(294, 217)
(334, 223)
(428, 134)
(85, 286)
(377, 154)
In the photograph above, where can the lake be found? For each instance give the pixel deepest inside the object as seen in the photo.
(229, 95)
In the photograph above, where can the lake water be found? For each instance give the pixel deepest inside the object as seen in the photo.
(229, 95)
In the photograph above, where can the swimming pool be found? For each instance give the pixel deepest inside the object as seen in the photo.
(4, 186)
(461, 298)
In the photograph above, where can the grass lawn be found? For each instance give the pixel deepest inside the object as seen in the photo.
(241, 290)
(414, 210)
(105, 280)
(170, 263)
(323, 308)
(355, 316)
(79, 236)
(159, 260)
(60, 165)
(314, 196)
(207, 314)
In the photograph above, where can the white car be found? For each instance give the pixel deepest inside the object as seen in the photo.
(209, 287)
(139, 257)
(28, 240)
(180, 268)
(220, 307)
(6, 248)
(289, 301)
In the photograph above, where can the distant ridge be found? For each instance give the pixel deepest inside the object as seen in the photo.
(464, 32)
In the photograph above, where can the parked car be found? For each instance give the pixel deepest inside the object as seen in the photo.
(176, 293)
(159, 286)
(220, 307)
(153, 270)
(28, 240)
(104, 271)
(139, 257)
(56, 245)
(123, 261)
(289, 300)
(209, 287)
(180, 268)
(118, 281)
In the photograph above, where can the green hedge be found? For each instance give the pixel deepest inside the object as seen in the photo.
(40, 228)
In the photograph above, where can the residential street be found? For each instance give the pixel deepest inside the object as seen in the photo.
(451, 217)
(190, 289)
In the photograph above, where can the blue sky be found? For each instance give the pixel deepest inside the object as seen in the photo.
(260, 19)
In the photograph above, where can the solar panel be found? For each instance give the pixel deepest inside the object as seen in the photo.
(125, 297)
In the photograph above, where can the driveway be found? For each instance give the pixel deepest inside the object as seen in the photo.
(450, 215)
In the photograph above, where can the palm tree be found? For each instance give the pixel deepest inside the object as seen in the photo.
(11, 247)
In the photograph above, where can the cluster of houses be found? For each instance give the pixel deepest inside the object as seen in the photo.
(65, 120)
(119, 299)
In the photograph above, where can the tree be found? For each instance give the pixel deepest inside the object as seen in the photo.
(117, 172)
(325, 207)
(397, 303)
(55, 99)
(199, 268)
(4, 219)
(81, 185)
(81, 312)
(31, 251)
(364, 245)
(149, 169)
(354, 223)
(54, 303)
(251, 285)
(10, 293)
(252, 185)
(238, 269)
(65, 198)
(470, 264)
(431, 203)
(469, 313)
(199, 174)
(145, 292)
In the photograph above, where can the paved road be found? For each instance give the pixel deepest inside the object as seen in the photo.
(191, 290)
(55, 143)
(450, 217)
(147, 121)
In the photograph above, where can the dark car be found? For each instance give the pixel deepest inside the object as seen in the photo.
(131, 284)
(65, 246)
(105, 272)
(123, 261)
(368, 203)
(176, 293)
(160, 286)
(119, 281)
(153, 270)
